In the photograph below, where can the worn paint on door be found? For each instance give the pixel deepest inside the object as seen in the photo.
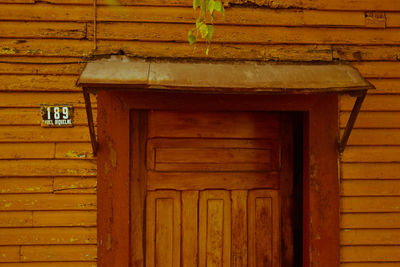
(214, 193)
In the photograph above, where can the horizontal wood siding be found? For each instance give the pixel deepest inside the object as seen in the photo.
(48, 176)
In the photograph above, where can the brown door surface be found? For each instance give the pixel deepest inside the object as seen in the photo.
(217, 190)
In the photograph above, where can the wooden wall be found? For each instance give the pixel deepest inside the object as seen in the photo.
(47, 176)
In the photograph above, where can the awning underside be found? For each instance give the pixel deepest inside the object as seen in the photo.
(221, 77)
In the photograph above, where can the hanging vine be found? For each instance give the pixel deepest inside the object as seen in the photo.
(205, 28)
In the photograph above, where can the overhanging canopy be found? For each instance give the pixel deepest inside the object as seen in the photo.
(221, 77)
(121, 72)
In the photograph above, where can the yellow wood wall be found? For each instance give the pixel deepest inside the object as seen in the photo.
(47, 176)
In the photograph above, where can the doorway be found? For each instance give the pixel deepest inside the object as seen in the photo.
(213, 189)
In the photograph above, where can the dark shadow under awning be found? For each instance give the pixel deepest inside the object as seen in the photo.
(222, 77)
(121, 72)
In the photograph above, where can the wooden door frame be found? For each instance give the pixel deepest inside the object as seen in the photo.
(320, 165)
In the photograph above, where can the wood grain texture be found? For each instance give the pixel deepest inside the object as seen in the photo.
(163, 228)
(58, 253)
(387, 120)
(24, 185)
(214, 228)
(370, 236)
(370, 254)
(64, 218)
(47, 202)
(47, 236)
(190, 228)
(239, 228)
(10, 254)
(40, 168)
(16, 219)
(370, 171)
(370, 220)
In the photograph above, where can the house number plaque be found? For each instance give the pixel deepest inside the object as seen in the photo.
(56, 115)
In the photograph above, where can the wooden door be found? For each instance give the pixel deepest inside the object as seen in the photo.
(214, 189)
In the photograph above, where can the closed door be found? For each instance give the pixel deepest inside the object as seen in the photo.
(216, 192)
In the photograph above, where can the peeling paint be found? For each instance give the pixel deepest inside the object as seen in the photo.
(113, 154)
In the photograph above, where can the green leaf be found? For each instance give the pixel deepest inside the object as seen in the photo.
(196, 4)
(199, 22)
(203, 30)
(218, 6)
(191, 37)
(211, 6)
(210, 32)
(207, 50)
(203, 6)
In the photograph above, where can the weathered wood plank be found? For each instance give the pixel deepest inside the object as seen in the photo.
(73, 151)
(46, 12)
(63, 218)
(9, 254)
(38, 83)
(38, 134)
(370, 204)
(365, 52)
(370, 220)
(374, 137)
(27, 150)
(392, 19)
(204, 180)
(26, 185)
(378, 69)
(30, 99)
(371, 154)
(48, 236)
(50, 264)
(46, 48)
(40, 68)
(68, 185)
(47, 202)
(31, 117)
(370, 170)
(382, 5)
(370, 188)
(40, 168)
(16, 219)
(370, 254)
(56, 30)
(369, 264)
(370, 237)
(373, 103)
(385, 86)
(387, 120)
(218, 50)
(248, 34)
(59, 253)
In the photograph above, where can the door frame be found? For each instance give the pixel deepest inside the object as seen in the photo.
(321, 244)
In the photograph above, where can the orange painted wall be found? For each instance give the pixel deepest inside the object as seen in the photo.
(48, 176)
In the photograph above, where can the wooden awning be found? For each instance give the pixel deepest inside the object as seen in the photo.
(124, 73)
(221, 77)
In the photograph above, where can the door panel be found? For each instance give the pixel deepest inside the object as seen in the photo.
(163, 221)
(263, 229)
(213, 184)
(214, 228)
